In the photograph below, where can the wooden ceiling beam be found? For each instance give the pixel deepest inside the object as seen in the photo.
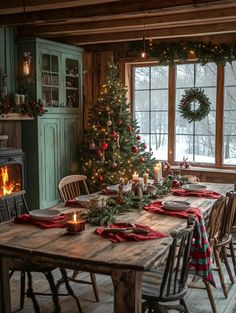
(176, 32)
(158, 20)
(104, 9)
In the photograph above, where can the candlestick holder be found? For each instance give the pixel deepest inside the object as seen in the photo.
(75, 226)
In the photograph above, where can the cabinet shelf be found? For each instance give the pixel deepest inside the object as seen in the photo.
(51, 86)
(73, 76)
(72, 88)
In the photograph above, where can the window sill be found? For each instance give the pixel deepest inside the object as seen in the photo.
(206, 169)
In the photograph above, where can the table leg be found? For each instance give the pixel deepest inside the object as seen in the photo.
(127, 291)
(5, 295)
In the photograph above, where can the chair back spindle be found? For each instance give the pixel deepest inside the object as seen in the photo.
(72, 186)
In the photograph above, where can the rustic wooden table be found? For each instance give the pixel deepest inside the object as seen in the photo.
(125, 262)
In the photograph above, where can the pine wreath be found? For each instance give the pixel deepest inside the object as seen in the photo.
(194, 95)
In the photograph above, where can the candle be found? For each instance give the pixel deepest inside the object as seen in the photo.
(135, 176)
(145, 178)
(22, 99)
(17, 99)
(157, 171)
(75, 225)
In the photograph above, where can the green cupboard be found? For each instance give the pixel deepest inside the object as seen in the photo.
(51, 141)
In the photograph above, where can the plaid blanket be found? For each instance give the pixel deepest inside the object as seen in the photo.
(200, 254)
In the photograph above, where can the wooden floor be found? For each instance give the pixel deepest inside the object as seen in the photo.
(196, 299)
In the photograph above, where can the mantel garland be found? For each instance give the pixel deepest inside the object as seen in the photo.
(29, 107)
(171, 53)
(194, 95)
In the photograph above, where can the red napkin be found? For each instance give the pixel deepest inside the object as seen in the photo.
(157, 207)
(204, 193)
(200, 253)
(129, 236)
(72, 202)
(57, 222)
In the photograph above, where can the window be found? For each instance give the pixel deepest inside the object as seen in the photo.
(151, 107)
(156, 93)
(229, 152)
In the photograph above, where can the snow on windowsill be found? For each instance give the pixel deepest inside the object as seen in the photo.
(206, 169)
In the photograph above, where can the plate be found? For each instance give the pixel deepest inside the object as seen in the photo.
(194, 187)
(176, 205)
(115, 188)
(84, 199)
(44, 214)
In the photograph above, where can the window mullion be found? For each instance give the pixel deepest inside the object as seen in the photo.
(171, 114)
(219, 115)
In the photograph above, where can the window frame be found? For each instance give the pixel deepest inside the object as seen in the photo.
(171, 110)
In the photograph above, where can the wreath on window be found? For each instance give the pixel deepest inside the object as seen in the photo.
(194, 95)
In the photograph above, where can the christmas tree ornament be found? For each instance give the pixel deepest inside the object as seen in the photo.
(119, 122)
(110, 112)
(92, 146)
(138, 137)
(134, 149)
(142, 159)
(107, 108)
(114, 134)
(144, 146)
(109, 123)
(100, 178)
(114, 164)
(104, 146)
(129, 128)
(99, 153)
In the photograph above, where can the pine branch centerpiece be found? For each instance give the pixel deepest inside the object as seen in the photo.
(112, 148)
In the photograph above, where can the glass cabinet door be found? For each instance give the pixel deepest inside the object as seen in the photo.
(50, 79)
(72, 82)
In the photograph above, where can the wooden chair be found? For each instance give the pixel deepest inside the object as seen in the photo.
(219, 228)
(70, 187)
(169, 284)
(10, 206)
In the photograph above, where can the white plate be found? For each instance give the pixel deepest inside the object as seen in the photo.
(44, 214)
(115, 188)
(194, 187)
(83, 199)
(176, 205)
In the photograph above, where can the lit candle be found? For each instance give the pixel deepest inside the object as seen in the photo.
(135, 176)
(145, 178)
(17, 99)
(75, 225)
(157, 171)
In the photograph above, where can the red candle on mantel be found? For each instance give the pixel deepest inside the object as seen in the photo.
(75, 225)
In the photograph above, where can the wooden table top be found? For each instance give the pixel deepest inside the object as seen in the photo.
(88, 250)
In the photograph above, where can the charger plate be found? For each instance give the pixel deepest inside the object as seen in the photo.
(44, 214)
(194, 187)
(176, 205)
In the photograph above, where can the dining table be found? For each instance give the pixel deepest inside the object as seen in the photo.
(125, 262)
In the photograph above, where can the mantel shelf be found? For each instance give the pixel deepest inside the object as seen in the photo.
(15, 117)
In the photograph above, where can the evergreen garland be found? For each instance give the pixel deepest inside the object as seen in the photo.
(192, 95)
(171, 53)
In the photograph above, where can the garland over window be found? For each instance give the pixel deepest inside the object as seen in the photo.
(170, 53)
(191, 96)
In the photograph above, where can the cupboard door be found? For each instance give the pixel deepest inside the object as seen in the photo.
(49, 159)
(70, 154)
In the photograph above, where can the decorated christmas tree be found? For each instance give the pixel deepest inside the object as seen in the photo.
(113, 148)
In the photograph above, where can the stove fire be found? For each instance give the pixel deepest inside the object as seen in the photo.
(10, 180)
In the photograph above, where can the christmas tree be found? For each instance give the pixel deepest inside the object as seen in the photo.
(112, 147)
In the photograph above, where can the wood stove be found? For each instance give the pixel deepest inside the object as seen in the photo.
(11, 170)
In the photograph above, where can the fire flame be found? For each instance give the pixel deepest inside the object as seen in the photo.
(7, 186)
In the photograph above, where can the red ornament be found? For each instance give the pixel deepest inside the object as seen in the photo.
(104, 146)
(129, 128)
(144, 146)
(142, 159)
(175, 183)
(100, 178)
(114, 134)
(99, 153)
(138, 137)
(134, 149)
(119, 122)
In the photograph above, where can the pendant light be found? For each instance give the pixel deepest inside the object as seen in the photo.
(26, 62)
(143, 53)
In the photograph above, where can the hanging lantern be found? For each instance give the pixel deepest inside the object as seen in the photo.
(26, 66)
